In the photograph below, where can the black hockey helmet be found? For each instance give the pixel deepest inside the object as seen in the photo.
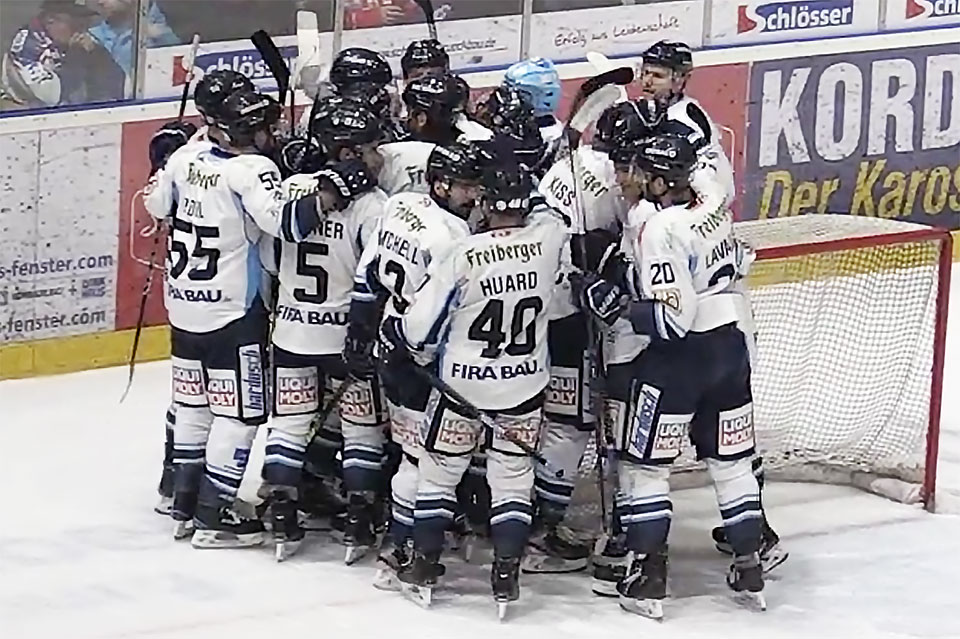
(628, 121)
(671, 157)
(675, 56)
(504, 106)
(357, 64)
(244, 113)
(346, 125)
(527, 141)
(424, 54)
(215, 87)
(456, 161)
(507, 191)
(348, 179)
(438, 96)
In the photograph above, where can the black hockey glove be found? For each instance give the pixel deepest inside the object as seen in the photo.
(393, 348)
(299, 155)
(358, 358)
(170, 137)
(601, 298)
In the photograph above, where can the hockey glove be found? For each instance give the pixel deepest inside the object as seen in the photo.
(601, 298)
(358, 358)
(393, 347)
(168, 139)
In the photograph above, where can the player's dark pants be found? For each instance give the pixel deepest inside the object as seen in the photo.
(220, 391)
(697, 388)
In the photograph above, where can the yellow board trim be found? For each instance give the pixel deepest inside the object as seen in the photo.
(81, 352)
(99, 350)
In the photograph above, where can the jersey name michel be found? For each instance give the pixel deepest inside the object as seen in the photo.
(316, 275)
(218, 205)
(484, 309)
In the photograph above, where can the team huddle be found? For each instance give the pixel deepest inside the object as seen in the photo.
(419, 299)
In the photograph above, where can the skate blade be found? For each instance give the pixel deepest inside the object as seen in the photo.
(754, 601)
(386, 579)
(649, 608)
(537, 563)
(283, 550)
(164, 506)
(219, 539)
(182, 529)
(773, 558)
(502, 610)
(420, 595)
(603, 588)
(354, 554)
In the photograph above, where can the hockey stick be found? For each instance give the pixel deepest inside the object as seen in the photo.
(278, 68)
(308, 71)
(187, 64)
(488, 422)
(594, 96)
(602, 64)
(427, 7)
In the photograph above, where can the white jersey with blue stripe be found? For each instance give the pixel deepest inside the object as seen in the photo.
(482, 312)
(218, 204)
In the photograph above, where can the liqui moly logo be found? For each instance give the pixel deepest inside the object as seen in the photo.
(932, 8)
(774, 17)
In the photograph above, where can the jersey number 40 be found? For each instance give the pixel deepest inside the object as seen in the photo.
(488, 327)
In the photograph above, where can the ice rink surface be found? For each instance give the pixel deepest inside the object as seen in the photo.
(83, 556)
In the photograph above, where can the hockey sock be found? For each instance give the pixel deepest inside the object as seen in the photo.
(738, 496)
(646, 506)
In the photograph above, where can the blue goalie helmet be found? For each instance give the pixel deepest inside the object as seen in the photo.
(538, 81)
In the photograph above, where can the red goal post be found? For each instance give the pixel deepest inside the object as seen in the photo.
(850, 319)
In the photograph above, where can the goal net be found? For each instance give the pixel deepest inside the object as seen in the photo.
(850, 319)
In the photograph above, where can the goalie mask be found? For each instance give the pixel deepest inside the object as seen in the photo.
(539, 83)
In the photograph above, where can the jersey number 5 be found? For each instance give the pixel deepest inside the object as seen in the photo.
(488, 327)
(206, 271)
(317, 272)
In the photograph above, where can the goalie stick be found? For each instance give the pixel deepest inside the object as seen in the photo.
(594, 96)
(187, 64)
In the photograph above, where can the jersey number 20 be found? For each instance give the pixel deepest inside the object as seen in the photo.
(488, 327)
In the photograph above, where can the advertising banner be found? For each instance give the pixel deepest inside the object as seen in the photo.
(750, 21)
(473, 44)
(58, 239)
(920, 14)
(615, 31)
(873, 133)
(164, 74)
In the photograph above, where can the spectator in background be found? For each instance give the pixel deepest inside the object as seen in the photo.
(54, 61)
(115, 32)
(364, 14)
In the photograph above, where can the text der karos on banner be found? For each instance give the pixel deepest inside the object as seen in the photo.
(745, 21)
(919, 14)
(624, 30)
(873, 133)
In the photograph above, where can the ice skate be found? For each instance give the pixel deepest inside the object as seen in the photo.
(746, 580)
(772, 552)
(390, 562)
(182, 529)
(505, 581)
(225, 528)
(552, 554)
(419, 577)
(182, 509)
(359, 536)
(165, 491)
(610, 564)
(644, 588)
(287, 533)
(164, 505)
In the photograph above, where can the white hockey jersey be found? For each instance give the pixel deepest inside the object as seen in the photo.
(712, 178)
(316, 275)
(404, 167)
(219, 204)
(413, 232)
(603, 204)
(687, 263)
(483, 313)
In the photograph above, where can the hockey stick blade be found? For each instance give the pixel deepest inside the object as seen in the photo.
(602, 64)
(188, 65)
(427, 7)
(595, 104)
(274, 61)
(619, 76)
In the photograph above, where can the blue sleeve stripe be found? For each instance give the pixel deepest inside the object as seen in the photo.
(287, 225)
(433, 334)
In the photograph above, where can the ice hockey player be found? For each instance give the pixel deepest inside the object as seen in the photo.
(504, 110)
(485, 308)
(415, 230)
(315, 282)
(211, 91)
(219, 200)
(432, 108)
(538, 81)
(568, 415)
(358, 65)
(693, 378)
(424, 57)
